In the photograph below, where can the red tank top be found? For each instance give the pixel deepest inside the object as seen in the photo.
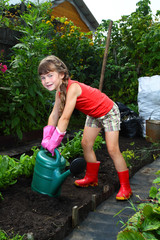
(92, 101)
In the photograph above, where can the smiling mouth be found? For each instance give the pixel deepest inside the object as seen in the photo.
(49, 85)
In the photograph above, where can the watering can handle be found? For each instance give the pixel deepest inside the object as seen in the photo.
(57, 157)
(57, 154)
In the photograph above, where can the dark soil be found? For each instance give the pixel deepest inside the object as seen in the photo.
(24, 211)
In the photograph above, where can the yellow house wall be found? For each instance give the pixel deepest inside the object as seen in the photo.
(67, 10)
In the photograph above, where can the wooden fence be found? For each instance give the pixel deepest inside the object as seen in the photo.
(8, 38)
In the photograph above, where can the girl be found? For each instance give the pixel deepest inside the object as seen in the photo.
(101, 112)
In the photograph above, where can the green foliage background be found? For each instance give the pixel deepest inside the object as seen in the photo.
(134, 52)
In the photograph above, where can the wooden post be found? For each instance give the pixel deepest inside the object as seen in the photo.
(93, 202)
(75, 216)
(105, 56)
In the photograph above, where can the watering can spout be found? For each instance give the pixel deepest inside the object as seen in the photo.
(65, 174)
(58, 179)
(60, 176)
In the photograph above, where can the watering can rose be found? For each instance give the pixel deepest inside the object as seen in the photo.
(3, 68)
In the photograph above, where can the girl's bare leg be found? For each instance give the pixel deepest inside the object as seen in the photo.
(89, 137)
(112, 143)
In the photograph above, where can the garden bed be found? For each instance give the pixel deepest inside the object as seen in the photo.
(24, 211)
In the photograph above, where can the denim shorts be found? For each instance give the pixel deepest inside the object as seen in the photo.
(110, 121)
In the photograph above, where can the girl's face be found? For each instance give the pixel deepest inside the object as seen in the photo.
(52, 80)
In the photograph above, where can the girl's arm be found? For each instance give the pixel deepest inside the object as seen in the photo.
(73, 92)
(54, 116)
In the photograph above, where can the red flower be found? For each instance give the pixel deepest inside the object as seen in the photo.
(3, 68)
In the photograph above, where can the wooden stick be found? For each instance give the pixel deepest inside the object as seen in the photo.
(105, 56)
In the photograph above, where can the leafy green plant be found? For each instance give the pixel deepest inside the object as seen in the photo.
(12, 168)
(128, 156)
(4, 236)
(85, 61)
(132, 52)
(27, 162)
(26, 102)
(7, 18)
(133, 107)
(155, 190)
(145, 223)
(34, 44)
(72, 148)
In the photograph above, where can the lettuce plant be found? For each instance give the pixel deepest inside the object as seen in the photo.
(12, 168)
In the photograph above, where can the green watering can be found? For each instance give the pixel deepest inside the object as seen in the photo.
(49, 172)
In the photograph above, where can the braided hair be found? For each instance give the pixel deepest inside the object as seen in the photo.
(50, 64)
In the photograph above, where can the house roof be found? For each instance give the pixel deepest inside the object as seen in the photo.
(83, 11)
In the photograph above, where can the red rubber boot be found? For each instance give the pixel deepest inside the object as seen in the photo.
(125, 190)
(91, 177)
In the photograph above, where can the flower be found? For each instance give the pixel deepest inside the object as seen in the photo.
(91, 43)
(3, 68)
(82, 34)
(52, 18)
(66, 22)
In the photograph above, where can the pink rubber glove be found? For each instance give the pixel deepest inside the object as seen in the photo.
(55, 140)
(47, 134)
